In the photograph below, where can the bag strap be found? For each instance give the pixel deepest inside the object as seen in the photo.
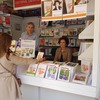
(7, 70)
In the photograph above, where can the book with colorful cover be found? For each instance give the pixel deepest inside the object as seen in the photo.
(41, 70)
(47, 8)
(72, 66)
(86, 66)
(32, 69)
(1, 20)
(80, 78)
(27, 48)
(40, 55)
(69, 6)
(52, 71)
(42, 41)
(7, 20)
(64, 73)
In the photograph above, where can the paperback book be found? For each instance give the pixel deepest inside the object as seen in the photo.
(41, 70)
(69, 6)
(64, 73)
(86, 66)
(52, 71)
(32, 69)
(47, 8)
(72, 67)
(40, 55)
(80, 78)
(27, 48)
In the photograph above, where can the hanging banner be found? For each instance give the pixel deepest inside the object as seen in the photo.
(26, 4)
(52, 10)
(63, 9)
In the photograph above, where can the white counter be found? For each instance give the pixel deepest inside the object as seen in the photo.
(67, 87)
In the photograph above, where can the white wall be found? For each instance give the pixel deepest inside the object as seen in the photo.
(16, 20)
(22, 22)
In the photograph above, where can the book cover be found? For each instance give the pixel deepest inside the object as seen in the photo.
(57, 33)
(69, 6)
(43, 24)
(86, 66)
(51, 32)
(42, 41)
(51, 72)
(72, 42)
(80, 78)
(47, 8)
(72, 66)
(40, 55)
(42, 33)
(7, 20)
(27, 48)
(41, 70)
(55, 42)
(13, 45)
(46, 42)
(32, 69)
(0, 20)
(64, 73)
(57, 6)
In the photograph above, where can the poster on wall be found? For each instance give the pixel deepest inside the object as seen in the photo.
(63, 9)
(26, 4)
(51, 10)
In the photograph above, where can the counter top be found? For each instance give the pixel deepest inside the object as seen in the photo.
(69, 87)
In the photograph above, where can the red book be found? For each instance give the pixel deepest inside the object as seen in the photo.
(42, 41)
(0, 20)
(7, 20)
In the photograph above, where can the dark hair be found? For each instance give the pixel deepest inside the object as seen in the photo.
(5, 43)
(56, 1)
(64, 38)
(31, 23)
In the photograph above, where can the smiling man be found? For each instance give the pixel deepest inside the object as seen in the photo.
(30, 34)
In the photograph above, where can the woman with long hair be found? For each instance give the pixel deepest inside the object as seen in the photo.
(9, 88)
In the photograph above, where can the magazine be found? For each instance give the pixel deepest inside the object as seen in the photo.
(52, 71)
(27, 48)
(32, 69)
(41, 70)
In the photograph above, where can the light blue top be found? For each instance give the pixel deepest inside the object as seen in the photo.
(25, 36)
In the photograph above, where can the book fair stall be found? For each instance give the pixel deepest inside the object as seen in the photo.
(79, 78)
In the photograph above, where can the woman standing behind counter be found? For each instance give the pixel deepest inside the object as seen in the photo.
(63, 53)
